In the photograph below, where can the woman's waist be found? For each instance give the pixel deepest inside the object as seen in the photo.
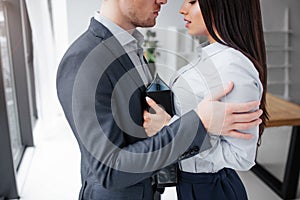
(198, 164)
(201, 178)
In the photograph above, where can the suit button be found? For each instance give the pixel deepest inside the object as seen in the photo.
(195, 150)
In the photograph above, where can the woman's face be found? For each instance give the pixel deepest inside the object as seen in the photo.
(190, 9)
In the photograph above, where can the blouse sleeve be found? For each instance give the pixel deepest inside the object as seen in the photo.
(238, 154)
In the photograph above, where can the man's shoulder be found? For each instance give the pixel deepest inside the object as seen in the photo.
(90, 39)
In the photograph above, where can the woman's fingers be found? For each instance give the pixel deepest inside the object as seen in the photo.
(154, 122)
(153, 105)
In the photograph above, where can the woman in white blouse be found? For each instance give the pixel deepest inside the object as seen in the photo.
(235, 52)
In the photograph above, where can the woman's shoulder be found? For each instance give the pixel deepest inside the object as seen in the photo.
(231, 59)
(234, 66)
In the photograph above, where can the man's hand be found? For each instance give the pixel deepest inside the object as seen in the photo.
(225, 119)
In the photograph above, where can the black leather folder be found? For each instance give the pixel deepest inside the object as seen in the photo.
(160, 92)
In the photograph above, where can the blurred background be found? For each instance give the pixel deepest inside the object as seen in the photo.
(39, 157)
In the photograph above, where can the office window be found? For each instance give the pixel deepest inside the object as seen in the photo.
(10, 92)
(17, 96)
(28, 47)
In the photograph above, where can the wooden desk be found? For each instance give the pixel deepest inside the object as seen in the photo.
(284, 113)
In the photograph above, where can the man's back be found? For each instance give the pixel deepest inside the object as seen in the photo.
(68, 71)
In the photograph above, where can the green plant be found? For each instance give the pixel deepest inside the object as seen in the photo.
(150, 45)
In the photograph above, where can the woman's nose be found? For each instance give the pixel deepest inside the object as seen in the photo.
(182, 10)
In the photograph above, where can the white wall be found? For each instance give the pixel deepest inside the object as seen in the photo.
(273, 14)
(170, 16)
(79, 13)
(44, 58)
(60, 26)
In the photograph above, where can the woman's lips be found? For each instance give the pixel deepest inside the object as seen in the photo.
(187, 23)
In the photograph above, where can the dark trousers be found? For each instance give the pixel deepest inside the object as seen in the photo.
(223, 185)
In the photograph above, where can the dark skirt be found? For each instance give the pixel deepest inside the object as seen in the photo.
(223, 185)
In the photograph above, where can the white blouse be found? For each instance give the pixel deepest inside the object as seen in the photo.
(216, 65)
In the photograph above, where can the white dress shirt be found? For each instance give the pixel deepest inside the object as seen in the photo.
(216, 65)
(132, 44)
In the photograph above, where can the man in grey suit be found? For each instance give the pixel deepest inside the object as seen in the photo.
(101, 86)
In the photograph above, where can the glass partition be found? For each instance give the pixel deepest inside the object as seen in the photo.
(9, 90)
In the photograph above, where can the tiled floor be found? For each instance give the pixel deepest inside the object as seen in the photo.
(50, 170)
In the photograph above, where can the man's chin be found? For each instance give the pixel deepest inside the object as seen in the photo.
(147, 24)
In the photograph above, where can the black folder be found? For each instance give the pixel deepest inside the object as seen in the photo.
(160, 92)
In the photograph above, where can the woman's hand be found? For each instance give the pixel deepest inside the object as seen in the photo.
(154, 122)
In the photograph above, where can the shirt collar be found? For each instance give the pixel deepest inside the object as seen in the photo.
(206, 49)
(123, 36)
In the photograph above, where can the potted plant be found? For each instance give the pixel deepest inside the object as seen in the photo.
(150, 52)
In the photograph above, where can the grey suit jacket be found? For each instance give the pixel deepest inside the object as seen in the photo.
(103, 98)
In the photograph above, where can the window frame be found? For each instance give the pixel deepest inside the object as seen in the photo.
(20, 43)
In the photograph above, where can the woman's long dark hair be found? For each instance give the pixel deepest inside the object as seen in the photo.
(239, 25)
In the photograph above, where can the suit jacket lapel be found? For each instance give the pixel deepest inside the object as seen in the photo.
(119, 53)
(117, 50)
